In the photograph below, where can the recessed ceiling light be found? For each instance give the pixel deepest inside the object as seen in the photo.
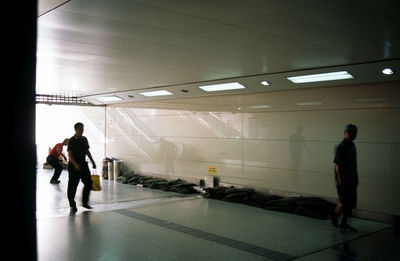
(321, 77)
(387, 71)
(109, 99)
(156, 93)
(222, 87)
(265, 83)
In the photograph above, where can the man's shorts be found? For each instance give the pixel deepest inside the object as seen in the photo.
(347, 195)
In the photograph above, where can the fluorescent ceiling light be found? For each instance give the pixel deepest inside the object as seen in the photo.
(372, 100)
(308, 103)
(109, 99)
(156, 93)
(321, 77)
(260, 106)
(222, 87)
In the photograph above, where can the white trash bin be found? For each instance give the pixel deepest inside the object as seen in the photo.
(117, 168)
(110, 167)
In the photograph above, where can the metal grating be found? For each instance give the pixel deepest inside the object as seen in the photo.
(207, 236)
(60, 99)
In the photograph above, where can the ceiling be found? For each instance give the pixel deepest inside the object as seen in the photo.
(98, 48)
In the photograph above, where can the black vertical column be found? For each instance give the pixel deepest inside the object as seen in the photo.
(17, 142)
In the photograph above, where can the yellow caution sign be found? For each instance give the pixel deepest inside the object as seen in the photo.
(212, 170)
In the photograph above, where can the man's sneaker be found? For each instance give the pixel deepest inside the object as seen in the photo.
(73, 209)
(86, 206)
(54, 181)
(346, 227)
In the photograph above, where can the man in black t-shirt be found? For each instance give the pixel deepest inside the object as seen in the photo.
(78, 169)
(346, 174)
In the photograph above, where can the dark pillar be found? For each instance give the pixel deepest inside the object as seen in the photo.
(18, 130)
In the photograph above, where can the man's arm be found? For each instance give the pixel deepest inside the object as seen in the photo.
(91, 158)
(65, 157)
(339, 176)
(338, 160)
(72, 160)
(62, 154)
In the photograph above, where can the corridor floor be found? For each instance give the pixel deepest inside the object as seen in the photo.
(130, 223)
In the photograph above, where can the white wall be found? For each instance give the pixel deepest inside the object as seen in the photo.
(56, 122)
(287, 146)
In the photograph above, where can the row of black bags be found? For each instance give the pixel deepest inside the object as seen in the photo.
(178, 186)
(313, 207)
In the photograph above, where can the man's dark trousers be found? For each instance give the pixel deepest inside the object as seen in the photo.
(55, 163)
(74, 176)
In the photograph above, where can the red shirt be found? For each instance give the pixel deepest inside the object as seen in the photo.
(54, 151)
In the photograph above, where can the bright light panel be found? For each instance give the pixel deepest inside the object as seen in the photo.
(156, 93)
(387, 71)
(109, 99)
(260, 107)
(222, 87)
(265, 83)
(321, 77)
(308, 103)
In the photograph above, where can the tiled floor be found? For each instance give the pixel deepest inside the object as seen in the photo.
(130, 223)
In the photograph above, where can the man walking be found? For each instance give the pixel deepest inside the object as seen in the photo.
(346, 175)
(54, 161)
(78, 169)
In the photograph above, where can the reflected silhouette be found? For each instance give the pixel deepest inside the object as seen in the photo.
(347, 252)
(296, 146)
(57, 200)
(169, 153)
